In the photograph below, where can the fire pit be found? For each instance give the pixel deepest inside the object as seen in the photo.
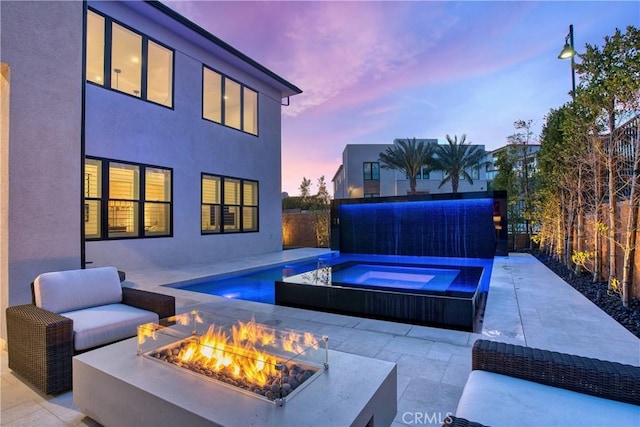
(268, 363)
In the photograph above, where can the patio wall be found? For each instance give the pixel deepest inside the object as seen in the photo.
(298, 229)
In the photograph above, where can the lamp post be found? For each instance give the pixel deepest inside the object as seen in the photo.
(568, 52)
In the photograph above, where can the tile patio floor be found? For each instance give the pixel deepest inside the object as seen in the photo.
(527, 304)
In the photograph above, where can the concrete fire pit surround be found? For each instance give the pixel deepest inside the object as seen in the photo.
(116, 387)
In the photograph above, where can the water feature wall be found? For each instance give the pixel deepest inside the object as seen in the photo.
(449, 225)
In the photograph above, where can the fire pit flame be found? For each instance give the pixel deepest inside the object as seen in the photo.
(249, 355)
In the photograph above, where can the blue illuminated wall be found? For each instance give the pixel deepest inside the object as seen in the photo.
(453, 228)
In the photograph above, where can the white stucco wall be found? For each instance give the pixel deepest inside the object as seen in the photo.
(41, 44)
(129, 129)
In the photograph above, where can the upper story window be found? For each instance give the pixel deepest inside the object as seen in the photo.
(229, 205)
(475, 172)
(126, 200)
(422, 174)
(228, 102)
(124, 60)
(371, 170)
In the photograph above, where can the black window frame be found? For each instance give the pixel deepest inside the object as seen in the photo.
(104, 201)
(371, 175)
(422, 173)
(222, 205)
(223, 78)
(106, 84)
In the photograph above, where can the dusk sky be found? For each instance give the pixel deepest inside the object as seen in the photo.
(375, 71)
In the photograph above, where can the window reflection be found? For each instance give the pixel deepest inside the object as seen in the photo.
(212, 96)
(250, 110)
(159, 74)
(231, 103)
(95, 48)
(126, 64)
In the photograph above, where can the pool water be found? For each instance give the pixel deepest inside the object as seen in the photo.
(396, 277)
(255, 286)
(435, 275)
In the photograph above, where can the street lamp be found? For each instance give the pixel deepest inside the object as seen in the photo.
(568, 52)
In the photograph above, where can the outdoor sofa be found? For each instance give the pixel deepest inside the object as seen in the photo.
(75, 311)
(512, 385)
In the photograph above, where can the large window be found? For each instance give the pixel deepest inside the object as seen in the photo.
(95, 48)
(232, 103)
(126, 200)
(371, 170)
(124, 60)
(228, 102)
(92, 199)
(229, 205)
(475, 172)
(423, 173)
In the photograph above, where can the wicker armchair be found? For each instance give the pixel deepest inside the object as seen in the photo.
(40, 342)
(600, 378)
(604, 379)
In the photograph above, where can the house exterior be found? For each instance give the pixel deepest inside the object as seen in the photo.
(131, 137)
(361, 175)
(531, 150)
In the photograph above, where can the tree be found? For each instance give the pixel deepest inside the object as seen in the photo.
(555, 163)
(320, 210)
(580, 131)
(408, 156)
(323, 196)
(305, 193)
(294, 202)
(590, 162)
(521, 141)
(630, 241)
(507, 180)
(455, 159)
(610, 87)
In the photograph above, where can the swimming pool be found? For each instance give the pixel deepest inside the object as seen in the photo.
(421, 290)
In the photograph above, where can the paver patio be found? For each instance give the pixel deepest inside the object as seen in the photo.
(528, 304)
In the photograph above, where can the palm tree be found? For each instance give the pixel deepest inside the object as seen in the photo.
(454, 160)
(408, 156)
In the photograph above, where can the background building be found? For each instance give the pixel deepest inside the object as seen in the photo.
(519, 153)
(361, 175)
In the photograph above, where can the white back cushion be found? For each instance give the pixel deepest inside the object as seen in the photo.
(70, 290)
(502, 401)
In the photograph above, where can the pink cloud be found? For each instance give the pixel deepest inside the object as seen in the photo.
(348, 53)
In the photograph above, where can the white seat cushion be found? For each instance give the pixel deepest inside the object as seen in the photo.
(63, 291)
(499, 400)
(105, 324)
